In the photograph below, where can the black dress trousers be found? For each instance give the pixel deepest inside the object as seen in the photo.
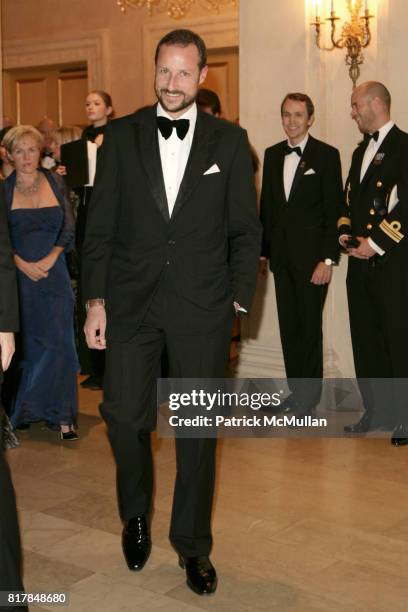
(10, 547)
(129, 409)
(378, 306)
(300, 306)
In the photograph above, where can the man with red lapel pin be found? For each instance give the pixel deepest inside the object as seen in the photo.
(300, 199)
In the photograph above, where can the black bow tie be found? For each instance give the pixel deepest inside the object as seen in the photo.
(374, 136)
(166, 127)
(91, 132)
(289, 150)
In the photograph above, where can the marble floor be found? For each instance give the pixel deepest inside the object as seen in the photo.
(299, 525)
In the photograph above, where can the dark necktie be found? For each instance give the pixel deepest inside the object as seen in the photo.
(289, 150)
(374, 136)
(166, 127)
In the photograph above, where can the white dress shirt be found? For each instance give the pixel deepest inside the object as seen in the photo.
(174, 154)
(373, 147)
(92, 150)
(290, 166)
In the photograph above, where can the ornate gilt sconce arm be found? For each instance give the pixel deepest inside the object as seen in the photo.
(355, 36)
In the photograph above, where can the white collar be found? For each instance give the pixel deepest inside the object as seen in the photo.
(301, 144)
(383, 131)
(190, 113)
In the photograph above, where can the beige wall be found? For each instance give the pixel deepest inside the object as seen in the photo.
(278, 54)
(123, 37)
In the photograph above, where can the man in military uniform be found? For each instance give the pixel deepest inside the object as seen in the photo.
(373, 229)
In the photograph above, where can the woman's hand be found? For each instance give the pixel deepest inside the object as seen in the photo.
(47, 262)
(30, 269)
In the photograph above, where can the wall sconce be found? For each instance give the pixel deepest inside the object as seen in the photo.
(355, 34)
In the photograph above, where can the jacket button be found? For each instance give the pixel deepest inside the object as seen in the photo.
(369, 226)
(372, 211)
(379, 184)
(172, 242)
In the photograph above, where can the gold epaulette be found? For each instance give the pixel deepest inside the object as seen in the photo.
(392, 230)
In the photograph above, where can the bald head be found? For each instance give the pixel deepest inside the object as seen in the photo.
(375, 89)
(370, 106)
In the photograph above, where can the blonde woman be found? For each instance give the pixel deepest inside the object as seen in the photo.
(42, 229)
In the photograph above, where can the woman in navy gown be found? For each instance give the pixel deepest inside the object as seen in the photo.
(42, 228)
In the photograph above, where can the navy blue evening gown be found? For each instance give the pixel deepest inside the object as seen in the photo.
(48, 385)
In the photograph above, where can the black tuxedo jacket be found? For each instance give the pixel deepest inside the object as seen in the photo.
(210, 246)
(365, 206)
(301, 231)
(8, 283)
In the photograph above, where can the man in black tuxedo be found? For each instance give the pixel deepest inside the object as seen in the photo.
(375, 214)
(10, 550)
(171, 250)
(300, 199)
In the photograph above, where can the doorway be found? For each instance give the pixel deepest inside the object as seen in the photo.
(223, 78)
(56, 92)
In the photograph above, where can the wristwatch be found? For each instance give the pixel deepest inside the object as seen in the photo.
(328, 261)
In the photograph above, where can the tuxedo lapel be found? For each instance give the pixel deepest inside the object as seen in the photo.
(278, 169)
(149, 154)
(203, 142)
(358, 161)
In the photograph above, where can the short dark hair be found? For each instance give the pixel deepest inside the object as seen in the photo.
(183, 38)
(208, 97)
(300, 97)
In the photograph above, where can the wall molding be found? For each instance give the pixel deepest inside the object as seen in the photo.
(94, 49)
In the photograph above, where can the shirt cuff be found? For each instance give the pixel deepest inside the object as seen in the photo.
(375, 246)
(239, 308)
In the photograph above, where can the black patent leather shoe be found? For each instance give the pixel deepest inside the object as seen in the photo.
(200, 573)
(136, 543)
(362, 426)
(400, 436)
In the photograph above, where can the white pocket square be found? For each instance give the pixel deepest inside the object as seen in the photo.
(214, 168)
(310, 171)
